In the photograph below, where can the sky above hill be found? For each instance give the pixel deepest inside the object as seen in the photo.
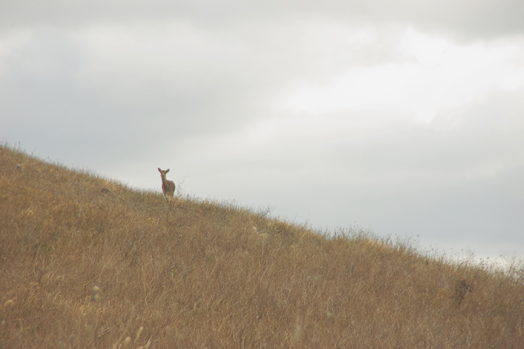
(405, 118)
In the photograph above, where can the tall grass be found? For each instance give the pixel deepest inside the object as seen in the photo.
(87, 262)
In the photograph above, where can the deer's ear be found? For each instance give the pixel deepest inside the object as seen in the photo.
(159, 170)
(167, 170)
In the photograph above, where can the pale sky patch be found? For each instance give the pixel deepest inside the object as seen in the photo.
(434, 76)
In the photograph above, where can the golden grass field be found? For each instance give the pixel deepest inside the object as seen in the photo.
(86, 262)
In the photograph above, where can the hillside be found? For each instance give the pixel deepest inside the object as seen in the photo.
(88, 262)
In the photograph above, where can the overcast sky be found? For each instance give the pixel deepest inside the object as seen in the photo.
(405, 118)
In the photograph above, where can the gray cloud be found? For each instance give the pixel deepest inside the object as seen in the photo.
(134, 88)
(464, 18)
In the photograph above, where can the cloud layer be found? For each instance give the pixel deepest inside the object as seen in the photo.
(465, 18)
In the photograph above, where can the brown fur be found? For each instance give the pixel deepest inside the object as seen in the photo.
(168, 187)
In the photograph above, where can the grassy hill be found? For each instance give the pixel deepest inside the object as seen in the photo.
(88, 262)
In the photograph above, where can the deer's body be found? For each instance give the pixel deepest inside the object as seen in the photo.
(168, 187)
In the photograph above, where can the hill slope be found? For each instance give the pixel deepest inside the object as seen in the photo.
(88, 262)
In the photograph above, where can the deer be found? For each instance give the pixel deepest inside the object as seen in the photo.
(168, 187)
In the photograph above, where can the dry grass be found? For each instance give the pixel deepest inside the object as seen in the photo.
(87, 262)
